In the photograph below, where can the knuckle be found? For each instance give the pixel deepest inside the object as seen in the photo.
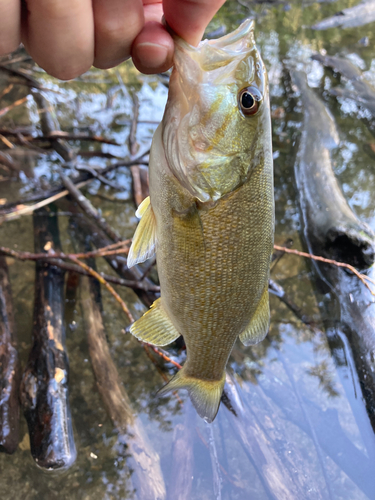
(111, 30)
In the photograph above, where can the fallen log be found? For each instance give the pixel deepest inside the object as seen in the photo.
(44, 388)
(332, 230)
(9, 367)
(143, 460)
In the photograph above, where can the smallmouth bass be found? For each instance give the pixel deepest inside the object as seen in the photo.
(210, 214)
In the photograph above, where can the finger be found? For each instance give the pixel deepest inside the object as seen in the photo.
(10, 25)
(152, 50)
(59, 35)
(117, 23)
(189, 18)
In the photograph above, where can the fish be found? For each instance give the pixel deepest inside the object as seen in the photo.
(210, 213)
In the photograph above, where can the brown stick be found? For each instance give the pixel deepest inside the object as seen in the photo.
(27, 210)
(13, 105)
(9, 367)
(101, 280)
(144, 461)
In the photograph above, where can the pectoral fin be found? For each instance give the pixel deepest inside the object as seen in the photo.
(155, 326)
(144, 239)
(259, 323)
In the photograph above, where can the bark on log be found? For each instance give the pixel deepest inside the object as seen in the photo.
(332, 230)
(44, 388)
(9, 367)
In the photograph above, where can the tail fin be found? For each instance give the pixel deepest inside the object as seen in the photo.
(204, 394)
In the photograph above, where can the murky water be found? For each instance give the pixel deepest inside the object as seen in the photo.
(307, 431)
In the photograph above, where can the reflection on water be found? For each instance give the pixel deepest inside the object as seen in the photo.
(301, 430)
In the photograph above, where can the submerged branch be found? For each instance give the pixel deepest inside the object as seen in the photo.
(351, 268)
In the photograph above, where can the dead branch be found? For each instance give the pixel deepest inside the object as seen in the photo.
(13, 105)
(359, 275)
(88, 208)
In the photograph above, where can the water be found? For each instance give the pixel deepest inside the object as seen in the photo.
(306, 424)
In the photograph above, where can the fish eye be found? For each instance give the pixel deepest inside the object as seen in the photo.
(249, 100)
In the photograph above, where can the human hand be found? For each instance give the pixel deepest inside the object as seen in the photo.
(67, 37)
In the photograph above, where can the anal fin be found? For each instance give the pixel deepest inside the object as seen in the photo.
(155, 326)
(259, 324)
(144, 239)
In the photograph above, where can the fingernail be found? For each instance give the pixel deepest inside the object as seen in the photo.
(152, 55)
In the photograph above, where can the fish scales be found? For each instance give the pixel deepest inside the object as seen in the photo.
(210, 214)
(221, 286)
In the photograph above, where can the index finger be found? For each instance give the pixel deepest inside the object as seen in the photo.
(189, 18)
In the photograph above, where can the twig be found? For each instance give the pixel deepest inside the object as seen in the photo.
(27, 210)
(80, 182)
(6, 142)
(13, 105)
(106, 284)
(6, 90)
(137, 186)
(59, 134)
(160, 371)
(88, 208)
(277, 290)
(359, 275)
(162, 354)
(113, 249)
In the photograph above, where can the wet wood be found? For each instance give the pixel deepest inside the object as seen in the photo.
(44, 388)
(9, 367)
(49, 126)
(333, 231)
(142, 458)
(88, 208)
